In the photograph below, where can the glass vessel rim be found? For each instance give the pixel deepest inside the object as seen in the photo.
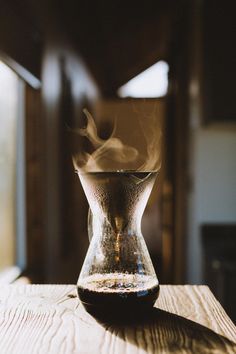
(81, 172)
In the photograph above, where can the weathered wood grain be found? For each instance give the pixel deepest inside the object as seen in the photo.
(49, 319)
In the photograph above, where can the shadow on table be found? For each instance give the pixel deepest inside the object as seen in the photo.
(169, 332)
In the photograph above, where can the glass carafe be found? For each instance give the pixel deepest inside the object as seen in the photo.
(117, 273)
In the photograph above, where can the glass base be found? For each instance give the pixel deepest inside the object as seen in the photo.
(118, 305)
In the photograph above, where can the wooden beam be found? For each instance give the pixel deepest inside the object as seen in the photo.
(19, 39)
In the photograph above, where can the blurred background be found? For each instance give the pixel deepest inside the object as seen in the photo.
(116, 59)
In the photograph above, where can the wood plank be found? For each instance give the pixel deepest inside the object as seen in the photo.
(49, 319)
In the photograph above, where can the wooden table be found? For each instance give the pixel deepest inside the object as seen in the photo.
(49, 319)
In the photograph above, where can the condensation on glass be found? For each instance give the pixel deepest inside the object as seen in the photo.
(117, 273)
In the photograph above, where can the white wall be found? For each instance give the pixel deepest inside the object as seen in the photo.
(212, 198)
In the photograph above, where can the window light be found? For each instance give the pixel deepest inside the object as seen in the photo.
(152, 82)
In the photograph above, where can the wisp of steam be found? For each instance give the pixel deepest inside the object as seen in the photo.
(113, 155)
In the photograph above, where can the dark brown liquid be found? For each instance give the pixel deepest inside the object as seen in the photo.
(112, 302)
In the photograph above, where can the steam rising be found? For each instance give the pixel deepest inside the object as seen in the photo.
(113, 155)
(152, 138)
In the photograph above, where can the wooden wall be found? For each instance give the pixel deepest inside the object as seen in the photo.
(219, 61)
(35, 235)
(56, 209)
(67, 88)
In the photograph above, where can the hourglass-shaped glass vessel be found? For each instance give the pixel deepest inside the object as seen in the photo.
(117, 273)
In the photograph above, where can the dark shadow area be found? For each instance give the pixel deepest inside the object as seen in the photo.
(219, 261)
(163, 330)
